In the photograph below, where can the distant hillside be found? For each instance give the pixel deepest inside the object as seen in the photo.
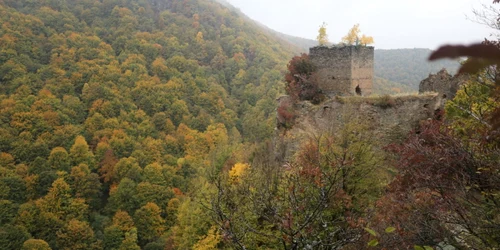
(296, 44)
(408, 66)
(303, 44)
(383, 86)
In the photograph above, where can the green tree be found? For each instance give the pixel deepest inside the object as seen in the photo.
(147, 192)
(59, 159)
(150, 224)
(7, 211)
(113, 237)
(16, 187)
(130, 241)
(472, 106)
(123, 196)
(114, 234)
(76, 235)
(85, 185)
(60, 203)
(127, 168)
(12, 237)
(159, 175)
(80, 153)
(192, 224)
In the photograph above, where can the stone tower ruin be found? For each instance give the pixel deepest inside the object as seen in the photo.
(346, 70)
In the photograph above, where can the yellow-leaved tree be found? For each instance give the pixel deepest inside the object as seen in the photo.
(237, 171)
(199, 37)
(353, 37)
(322, 36)
(209, 242)
(365, 40)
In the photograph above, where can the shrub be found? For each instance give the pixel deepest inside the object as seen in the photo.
(286, 115)
(301, 80)
(385, 101)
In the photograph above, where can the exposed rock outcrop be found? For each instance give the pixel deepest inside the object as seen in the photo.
(388, 118)
(443, 83)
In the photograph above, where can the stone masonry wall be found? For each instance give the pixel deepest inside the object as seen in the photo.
(333, 69)
(362, 69)
(341, 69)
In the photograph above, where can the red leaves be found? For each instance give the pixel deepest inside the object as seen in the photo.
(308, 159)
(301, 84)
(433, 159)
(107, 165)
(440, 180)
(286, 114)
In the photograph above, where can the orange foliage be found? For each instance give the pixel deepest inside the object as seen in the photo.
(107, 166)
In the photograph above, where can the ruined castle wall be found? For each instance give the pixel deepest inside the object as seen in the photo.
(443, 83)
(362, 69)
(341, 69)
(388, 120)
(334, 69)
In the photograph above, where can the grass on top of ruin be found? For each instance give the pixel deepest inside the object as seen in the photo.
(385, 101)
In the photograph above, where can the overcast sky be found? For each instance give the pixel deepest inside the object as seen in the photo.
(392, 23)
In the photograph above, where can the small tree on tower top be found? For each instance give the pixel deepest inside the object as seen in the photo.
(354, 38)
(322, 36)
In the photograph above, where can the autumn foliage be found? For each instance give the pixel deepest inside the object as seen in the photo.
(354, 37)
(125, 125)
(318, 199)
(445, 192)
(300, 79)
(117, 108)
(322, 36)
(286, 114)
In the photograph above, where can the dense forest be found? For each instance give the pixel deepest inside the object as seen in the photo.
(148, 124)
(111, 109)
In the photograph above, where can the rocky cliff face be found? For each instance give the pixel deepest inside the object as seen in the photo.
(389, 118)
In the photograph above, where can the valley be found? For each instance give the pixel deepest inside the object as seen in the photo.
(184, 124)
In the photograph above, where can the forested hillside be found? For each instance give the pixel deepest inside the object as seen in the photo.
(302, 44)
(150, 124)
(409, 66)
(383, 86)
(110, 109)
